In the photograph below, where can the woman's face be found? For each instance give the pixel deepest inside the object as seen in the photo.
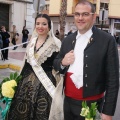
(42, 26)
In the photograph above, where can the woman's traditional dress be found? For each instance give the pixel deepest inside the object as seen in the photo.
(32, 101)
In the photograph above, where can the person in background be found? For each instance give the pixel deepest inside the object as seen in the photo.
(89, 60)
(25, 33)
(1, 46)
(14, 34)
(5, 37)
(32, 100)
(57, 34)
(116, 38)
(70, 32)
(1, 42)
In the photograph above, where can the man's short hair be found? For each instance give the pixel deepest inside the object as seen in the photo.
(86, 2)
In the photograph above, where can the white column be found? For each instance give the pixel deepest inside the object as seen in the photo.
(29, 19)
(112, 29)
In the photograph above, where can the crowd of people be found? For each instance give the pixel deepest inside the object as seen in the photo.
(88, 60)
(6, 37)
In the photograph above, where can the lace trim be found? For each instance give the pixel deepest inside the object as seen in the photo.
(46, 51)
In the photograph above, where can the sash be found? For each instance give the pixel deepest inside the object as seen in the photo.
(56, 112)
(46, 82)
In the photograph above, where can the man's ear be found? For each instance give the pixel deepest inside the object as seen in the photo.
(94, 18)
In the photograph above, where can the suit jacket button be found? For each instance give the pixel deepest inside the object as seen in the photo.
(86, 65)
(85, 75)
(86, 56)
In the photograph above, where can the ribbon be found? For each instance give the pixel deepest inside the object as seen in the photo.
(14, 46)
(7, 106)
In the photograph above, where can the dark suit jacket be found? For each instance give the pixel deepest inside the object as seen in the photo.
(101, 67)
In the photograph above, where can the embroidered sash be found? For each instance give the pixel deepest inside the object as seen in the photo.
(46, 82)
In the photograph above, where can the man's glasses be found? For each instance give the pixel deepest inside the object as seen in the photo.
(84, 14)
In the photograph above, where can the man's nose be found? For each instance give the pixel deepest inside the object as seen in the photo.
(80, 16)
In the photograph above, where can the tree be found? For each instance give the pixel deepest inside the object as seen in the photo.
(63, 14)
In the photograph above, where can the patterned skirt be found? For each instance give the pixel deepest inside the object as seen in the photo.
(31, 100)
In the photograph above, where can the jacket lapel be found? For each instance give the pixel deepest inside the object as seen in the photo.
(92, 38)
(74, 40)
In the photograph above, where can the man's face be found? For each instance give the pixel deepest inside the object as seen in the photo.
(84, 18)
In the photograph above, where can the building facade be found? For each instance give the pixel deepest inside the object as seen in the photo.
(110, 7)
(17, 12)
(21, 13)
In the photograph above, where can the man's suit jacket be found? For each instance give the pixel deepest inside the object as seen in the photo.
(101, 66)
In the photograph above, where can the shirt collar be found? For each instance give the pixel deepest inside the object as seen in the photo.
(88, 34)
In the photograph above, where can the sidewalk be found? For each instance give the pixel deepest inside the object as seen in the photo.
(15, 59)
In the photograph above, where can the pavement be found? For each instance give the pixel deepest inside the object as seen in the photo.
(14, 62)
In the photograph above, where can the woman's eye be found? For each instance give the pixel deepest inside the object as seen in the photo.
(44, 24)
(37, 23)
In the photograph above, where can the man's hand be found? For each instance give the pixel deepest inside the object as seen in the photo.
(106, 117)
(68, 59)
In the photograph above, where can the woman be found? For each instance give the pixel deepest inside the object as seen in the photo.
(57, 34)
(25, 33)
(14, 36)
(1, 46)
(32, 100)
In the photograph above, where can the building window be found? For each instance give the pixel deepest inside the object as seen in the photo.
(104, 5)
(117, 26)
(94, 6)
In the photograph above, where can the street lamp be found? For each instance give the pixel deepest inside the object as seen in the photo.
(103, 12)
(103, 16)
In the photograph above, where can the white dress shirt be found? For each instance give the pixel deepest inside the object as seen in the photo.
(77, 67)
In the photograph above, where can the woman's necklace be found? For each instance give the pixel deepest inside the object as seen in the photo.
(41, 44)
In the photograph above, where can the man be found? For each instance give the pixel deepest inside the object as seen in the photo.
(25, 33)
(5, 37)
(89, 60)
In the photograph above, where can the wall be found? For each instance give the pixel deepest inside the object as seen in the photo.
(69, 6)
(21, 15)
(54, 7)
(114, 8)
(97, 6)
(29, 18)
(19, 10)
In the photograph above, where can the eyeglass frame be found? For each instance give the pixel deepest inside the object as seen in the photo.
(77, 14)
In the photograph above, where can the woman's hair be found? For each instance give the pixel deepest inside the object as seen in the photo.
(2, 27)
(46, 17)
